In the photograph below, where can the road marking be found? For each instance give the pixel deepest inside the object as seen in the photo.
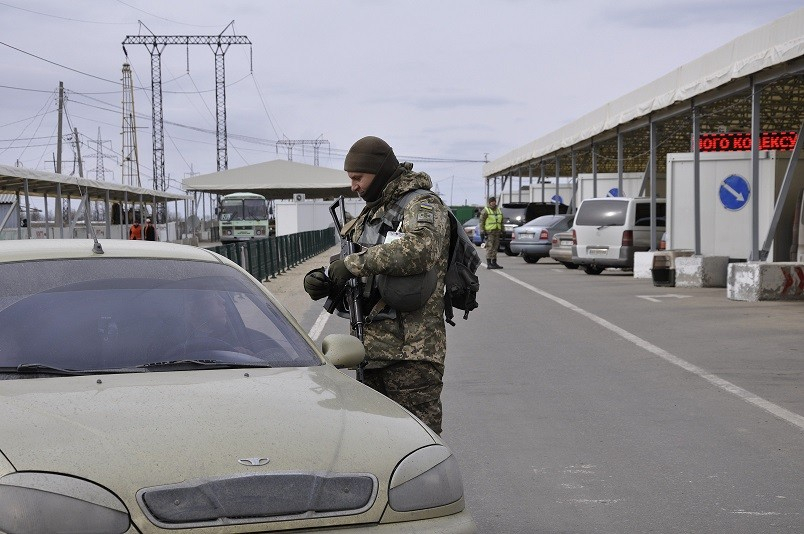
(747, 396)
(655, 298)
(319, 325)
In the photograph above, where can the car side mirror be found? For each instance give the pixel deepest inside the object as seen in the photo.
(343, 350)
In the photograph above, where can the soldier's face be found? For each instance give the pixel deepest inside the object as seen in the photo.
(361, 181)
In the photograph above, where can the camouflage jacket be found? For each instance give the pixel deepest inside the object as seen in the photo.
(418, 335)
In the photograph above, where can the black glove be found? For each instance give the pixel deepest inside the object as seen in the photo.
(339, 274)
(317, 284)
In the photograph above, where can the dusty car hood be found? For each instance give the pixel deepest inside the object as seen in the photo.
(132, 431)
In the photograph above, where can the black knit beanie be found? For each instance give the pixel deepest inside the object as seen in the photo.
(372, 155)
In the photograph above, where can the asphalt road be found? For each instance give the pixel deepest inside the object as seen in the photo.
(604, 404)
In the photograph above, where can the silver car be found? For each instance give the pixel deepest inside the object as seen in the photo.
(561, 249)
(150, 387)
(534, 239)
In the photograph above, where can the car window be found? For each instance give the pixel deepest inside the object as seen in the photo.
(545, 220)
(643, 214)
(601, 212)
(105, 314)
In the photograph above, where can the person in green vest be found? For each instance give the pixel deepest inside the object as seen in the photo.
(491, 224)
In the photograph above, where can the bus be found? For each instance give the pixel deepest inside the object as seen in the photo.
(243, 216)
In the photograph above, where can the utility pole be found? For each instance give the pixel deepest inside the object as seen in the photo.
(156, 44)
(290, 143)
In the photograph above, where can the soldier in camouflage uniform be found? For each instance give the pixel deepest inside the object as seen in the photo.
(405, 350)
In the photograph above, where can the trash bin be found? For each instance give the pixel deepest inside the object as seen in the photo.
(663, 269)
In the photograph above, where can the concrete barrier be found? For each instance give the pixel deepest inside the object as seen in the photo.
(643, 262)
(701, 271)
(755, 281)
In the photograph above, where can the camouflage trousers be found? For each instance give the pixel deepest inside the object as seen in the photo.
(414, 385)
(492, 244)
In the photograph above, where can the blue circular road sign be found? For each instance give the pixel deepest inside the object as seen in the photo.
(734, 192)
(556, 199)
(613, 192)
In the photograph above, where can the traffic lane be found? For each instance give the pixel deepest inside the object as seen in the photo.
(756, 345)
(553, 436)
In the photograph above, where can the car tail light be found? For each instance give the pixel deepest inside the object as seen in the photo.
(574, 238)
(544, 235)
(662, 245)
(555, 240)
(628, 238)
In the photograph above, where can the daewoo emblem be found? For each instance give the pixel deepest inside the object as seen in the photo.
(253, 461)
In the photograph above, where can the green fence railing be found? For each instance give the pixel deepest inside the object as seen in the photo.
(265, 258)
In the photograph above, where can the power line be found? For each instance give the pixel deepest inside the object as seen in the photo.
(58, 64)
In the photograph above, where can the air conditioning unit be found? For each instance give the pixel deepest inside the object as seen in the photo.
(298, 197)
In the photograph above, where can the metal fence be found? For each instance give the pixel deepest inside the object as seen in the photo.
(265, 258)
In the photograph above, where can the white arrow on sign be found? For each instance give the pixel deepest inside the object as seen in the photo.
(739, 196)
(655, 298)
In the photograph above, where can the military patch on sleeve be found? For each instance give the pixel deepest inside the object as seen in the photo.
(425, 214)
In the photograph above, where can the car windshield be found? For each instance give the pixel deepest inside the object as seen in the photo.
(513, 215)
(138, 315)
(601, 212)
(545, 220)
(248, 209)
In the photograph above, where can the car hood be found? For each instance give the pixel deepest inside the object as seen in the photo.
(132, 431)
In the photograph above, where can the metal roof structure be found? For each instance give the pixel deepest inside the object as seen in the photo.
(18, 180)
(720, 86)
(277, 179)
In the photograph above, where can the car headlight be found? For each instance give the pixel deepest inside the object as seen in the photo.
(426, 478)
(45, 502)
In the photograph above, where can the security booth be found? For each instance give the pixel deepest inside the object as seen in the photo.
(725, 202)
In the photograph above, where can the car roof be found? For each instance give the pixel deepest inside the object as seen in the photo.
(48, 249)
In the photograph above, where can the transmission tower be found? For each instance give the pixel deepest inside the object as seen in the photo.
(131, 162)
(156, 44)
(100, 168)
(290, 143)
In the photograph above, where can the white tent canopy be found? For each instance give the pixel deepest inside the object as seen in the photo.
(774, 44)
(13, 180)
(275, 179)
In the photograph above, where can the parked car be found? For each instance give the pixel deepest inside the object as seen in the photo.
(127, 408)
(472, 229)
(518, 213)
(534, 239)
(608, 231)
(561, 249)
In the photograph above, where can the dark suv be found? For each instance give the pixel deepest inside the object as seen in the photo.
(518, 213)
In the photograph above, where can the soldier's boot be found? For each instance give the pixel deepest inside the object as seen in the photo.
(497, 265)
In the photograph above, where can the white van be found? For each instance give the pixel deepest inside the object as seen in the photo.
(607, 231)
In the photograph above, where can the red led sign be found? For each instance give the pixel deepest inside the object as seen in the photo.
(741, 141)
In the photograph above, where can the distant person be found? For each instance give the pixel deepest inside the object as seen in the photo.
(150, 231)
(135, 232)
(491, 226)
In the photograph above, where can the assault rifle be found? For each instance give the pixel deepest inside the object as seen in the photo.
(351, 292)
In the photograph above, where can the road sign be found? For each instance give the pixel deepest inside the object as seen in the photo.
(556, 199)
(734, 192)
(613, 192)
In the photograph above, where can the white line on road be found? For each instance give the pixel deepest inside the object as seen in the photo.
(655, 298)
(319, 325)
(725, 385)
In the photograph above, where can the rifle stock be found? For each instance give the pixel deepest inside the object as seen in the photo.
(353, 289)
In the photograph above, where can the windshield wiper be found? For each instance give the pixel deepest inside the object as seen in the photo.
(216, 364)
(41, 368)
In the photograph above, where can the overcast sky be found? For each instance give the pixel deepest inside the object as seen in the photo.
(454, 80)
